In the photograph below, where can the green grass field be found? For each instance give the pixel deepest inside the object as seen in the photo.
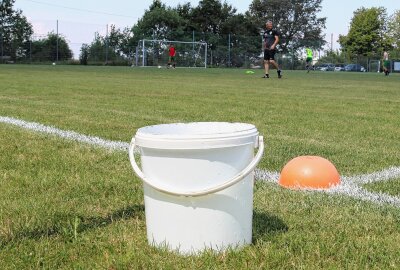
(65, 205)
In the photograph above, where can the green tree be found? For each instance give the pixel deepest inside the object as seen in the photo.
(394, 31)
(119, 41)
(185, 11)
(126, 44)
(46, 49)
(15, 31)
(84, 55)
(245, 42)
(107, 50)
(159, 22)
(211, 15)
(97, 50)
(368, 33)
(232, 38)
(211, 21)
(64, 52)
(297, 21)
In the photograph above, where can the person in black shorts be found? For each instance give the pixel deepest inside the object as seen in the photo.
(386, 63)
(271, 39)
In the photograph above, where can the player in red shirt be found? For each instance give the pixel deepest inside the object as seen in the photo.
(172, 53)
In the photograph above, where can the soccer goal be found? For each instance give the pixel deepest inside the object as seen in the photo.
(374, 66)
(155, 53)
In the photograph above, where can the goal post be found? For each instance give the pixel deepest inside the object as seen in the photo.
(153, 52)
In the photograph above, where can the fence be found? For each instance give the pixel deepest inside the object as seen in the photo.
(228, 50)
(211, 55)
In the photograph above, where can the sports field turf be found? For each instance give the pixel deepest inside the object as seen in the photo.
(68, 205)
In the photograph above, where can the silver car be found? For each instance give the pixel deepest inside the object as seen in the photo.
(326, 67)
(339, 67)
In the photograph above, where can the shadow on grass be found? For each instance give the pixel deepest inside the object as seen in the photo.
(266, 225)
(88, 223)
(69, 226)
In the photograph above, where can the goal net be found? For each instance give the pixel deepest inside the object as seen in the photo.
(374, 66)
(155, 53)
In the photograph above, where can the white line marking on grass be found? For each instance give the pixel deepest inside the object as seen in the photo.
(66, 134)
(350, 185)
(384, 175)
(353, 190)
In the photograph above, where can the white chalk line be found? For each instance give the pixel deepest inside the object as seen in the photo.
(66, 134)
(350, 185)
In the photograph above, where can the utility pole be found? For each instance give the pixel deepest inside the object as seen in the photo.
(107, 44)
(229, 50)
(2, 50)
(57, 44)
(30, 51)
(2, 40)
(194, 57)
(331, 42)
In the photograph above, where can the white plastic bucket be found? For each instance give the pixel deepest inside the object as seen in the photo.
(198, 183)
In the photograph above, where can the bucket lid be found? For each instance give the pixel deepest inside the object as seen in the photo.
(196, 135)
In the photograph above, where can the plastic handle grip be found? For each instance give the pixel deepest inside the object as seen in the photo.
(235, 179)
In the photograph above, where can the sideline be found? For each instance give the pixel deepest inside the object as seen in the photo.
(350, 185)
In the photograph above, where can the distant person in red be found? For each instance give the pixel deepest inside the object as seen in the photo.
(172, 53)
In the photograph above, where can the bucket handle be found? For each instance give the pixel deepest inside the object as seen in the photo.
(235, 179)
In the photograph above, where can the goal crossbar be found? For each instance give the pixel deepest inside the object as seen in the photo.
(173, 41)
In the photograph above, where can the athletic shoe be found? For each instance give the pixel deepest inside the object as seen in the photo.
(266, 76)
(279, 73)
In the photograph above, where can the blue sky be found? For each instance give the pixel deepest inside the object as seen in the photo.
(78, 24)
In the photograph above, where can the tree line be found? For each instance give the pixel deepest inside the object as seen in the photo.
(217, 23)
(371, 31)
(16, 38)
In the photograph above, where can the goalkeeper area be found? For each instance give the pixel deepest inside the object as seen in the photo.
(155, 53)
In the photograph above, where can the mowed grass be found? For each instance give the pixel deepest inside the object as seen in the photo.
(391, 187)
(68, 205)
(351, 118)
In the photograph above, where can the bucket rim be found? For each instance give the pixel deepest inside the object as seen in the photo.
(194, 135)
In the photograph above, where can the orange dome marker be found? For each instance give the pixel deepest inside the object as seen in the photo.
(309, 172)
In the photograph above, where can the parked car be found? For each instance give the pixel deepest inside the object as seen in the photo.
(326, 67)
(355, 67)
(339, 67)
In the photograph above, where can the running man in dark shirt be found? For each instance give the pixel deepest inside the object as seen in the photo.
(271, 39)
